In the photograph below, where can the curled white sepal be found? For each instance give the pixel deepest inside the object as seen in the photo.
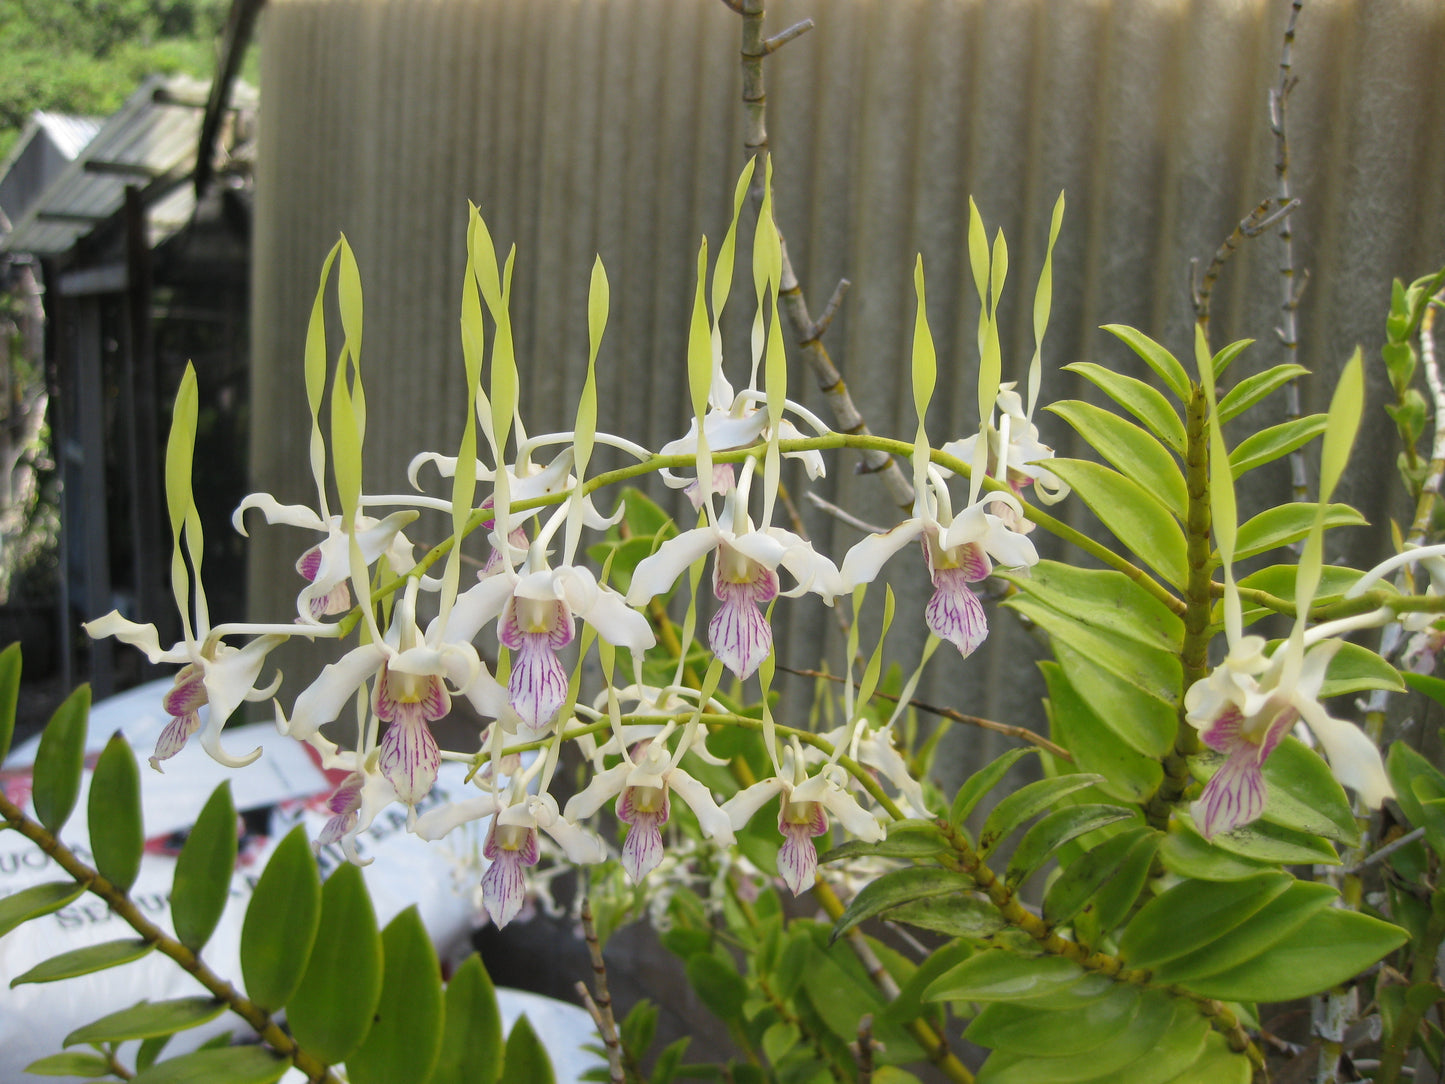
(321, 701)
(436, 823)
(140, 636)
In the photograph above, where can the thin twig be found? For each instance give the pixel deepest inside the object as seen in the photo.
(1253, 224)
(843, 515)
(600, 1005)
(1385, 851)
(777, 41)
(954, 716)
(1290, 291)
(790, 293)
(830, 310)
(840, 613)
(863, 1051)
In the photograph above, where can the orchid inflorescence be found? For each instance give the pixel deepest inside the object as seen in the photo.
(643, 744)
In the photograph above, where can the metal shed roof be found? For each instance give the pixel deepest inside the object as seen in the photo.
(150, 140)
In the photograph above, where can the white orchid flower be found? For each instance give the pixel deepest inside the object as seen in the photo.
(1251, 700)
(511, 843)
(326, 566)
(805, 803)
(411, 691)
(744, 577)
(214, 675)
(642, 789)
(957, 551)
(536, 609)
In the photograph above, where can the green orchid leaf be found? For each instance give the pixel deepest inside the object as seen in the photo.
(1225, 358)
(1165, 365)
(1077, 882)
(1185, 852)
(1265, 842)
(1041, 842)
(1014, 1027)
(471, 1049)
(1001, 975)
(405, 1039)
(1178, 1048)
(952, 916)
(526, 1060)
(719, 986)
(223, 1065)
(1142, 400)
(1115, 900)
(1151, 1021)
(981, 782)
(1270, 444)
(70, 1064)
(1254, 389)
(1406, 769)
(1217, 1064)
(905, 839)
(1125, 773)
(1355, 668)
(202, 882)
(151, 1050)
(35, 901)
(1432, 687)
(909, 1002)
(1142, 720)
(9, 696)
(147, 1019)
(86, 961)
(1278, 580)
(1105, 599)
(1288, 523)
(1147, 668)
(1192, 914)
(1026, 802)
(897, 887)
(332, 1010)
(60, 761)
(1131, 513)
(1294, 966)
(275, 951)
(1252, 938)
(117, 836)
(1132, 451)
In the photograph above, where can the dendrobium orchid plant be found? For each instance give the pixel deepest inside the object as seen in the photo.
(569, 660)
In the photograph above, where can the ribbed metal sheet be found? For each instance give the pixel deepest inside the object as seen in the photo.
(155, 131)
(613, 126)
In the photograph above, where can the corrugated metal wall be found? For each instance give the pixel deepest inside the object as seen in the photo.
(614, 126)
